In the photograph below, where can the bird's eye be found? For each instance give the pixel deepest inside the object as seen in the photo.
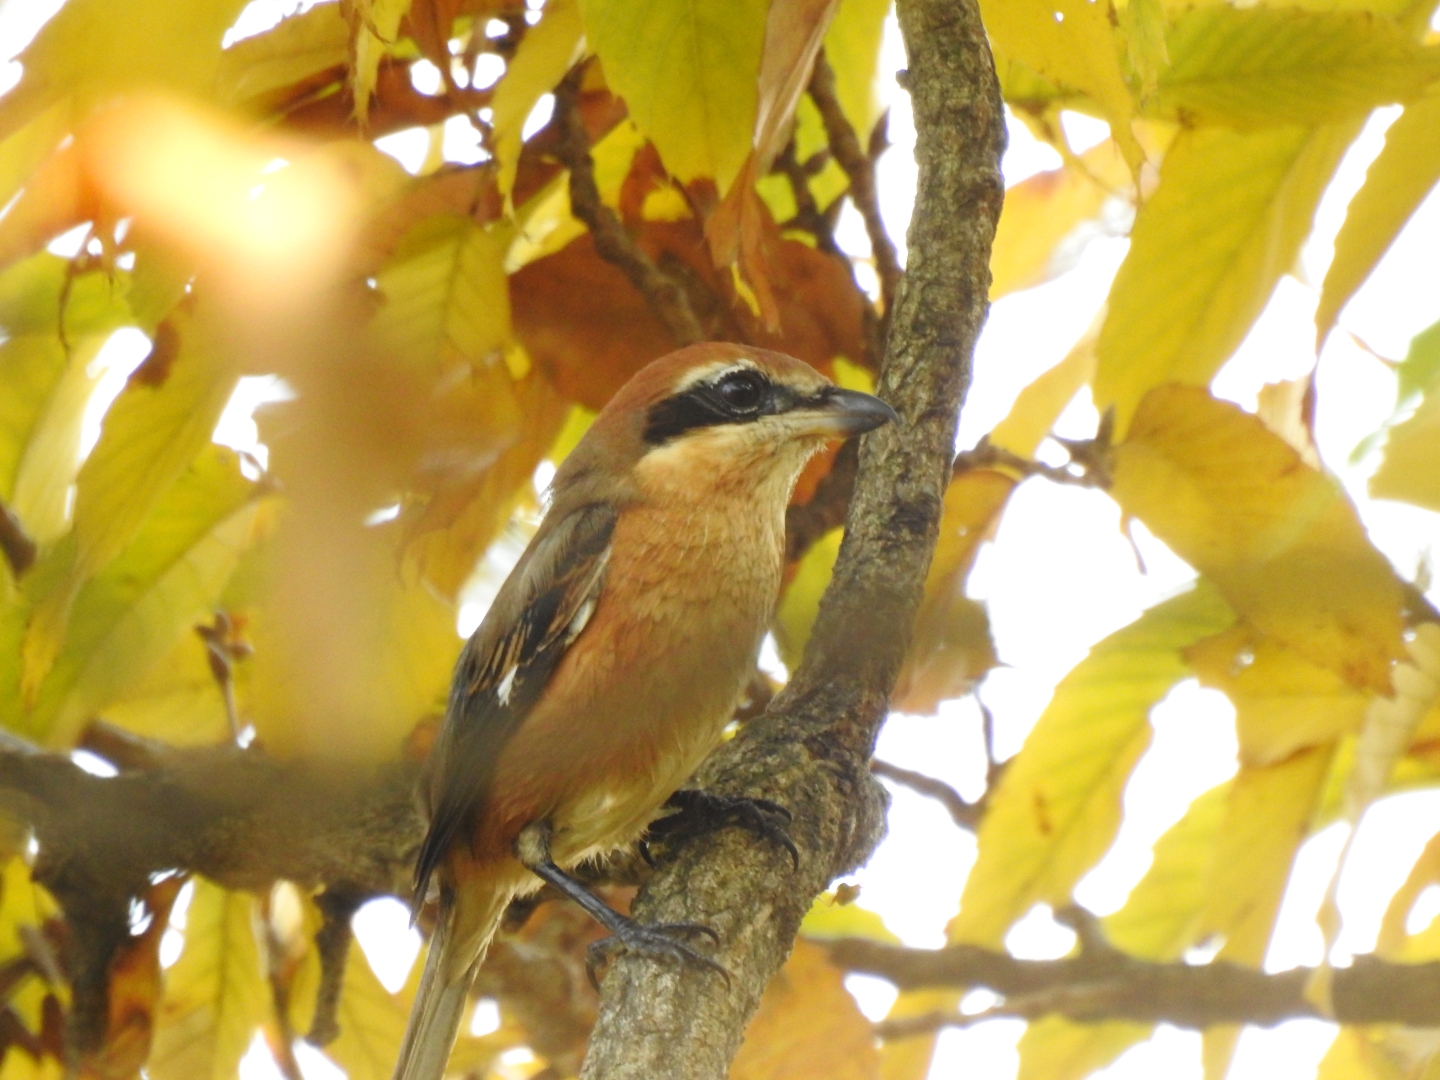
(742, 391)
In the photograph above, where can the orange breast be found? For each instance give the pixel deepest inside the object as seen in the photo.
(644, 692)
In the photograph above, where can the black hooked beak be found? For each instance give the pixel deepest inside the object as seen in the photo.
(842, 413)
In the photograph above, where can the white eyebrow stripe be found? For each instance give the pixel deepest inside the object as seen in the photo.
(709, 371)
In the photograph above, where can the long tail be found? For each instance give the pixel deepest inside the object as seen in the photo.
(457, 948)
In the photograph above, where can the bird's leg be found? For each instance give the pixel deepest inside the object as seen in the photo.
(658, 941)
(695, 812)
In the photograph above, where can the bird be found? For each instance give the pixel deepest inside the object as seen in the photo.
(614, 653)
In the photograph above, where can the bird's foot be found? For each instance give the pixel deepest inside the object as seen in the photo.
(697, 812)
(660, 941)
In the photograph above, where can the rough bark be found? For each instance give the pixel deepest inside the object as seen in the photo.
(811, 748)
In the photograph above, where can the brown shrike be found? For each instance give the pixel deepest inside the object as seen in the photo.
(615, 652)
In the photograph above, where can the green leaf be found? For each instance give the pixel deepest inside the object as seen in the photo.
(216, 995)
(1057, 808)
(1397, 182)
(1421, 366)
(1208, 247)
(1280, 540)
(1267, 66)
(131, 616)
(688, 72)
(446, 294)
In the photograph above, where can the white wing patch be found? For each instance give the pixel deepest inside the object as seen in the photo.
(582, 616)
(507, 684)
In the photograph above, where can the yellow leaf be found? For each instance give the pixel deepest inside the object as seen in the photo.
(216, 995)
(92, 49)
(177, 702)
(371, 1019)
(1280, 540)
(1283, 702)
(297, 47)
(1268, 66)
(1056, 810)
(1396, 183)
(827, 920)
(688, 71)
(1040, 404)
(852, 45)
(1390, 723)
(1144, 24)
(446, 294)
(1391, 942)
(807, 1026)
(1043, 210)
(1355, 1055)
(546, 52)
(1227, 219)
(1269, 812)
(800, 602)
(128, 619)
(374, 28)
(1054, 1048)
(1070, 43)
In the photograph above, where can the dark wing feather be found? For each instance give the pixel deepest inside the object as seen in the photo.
(504, 667)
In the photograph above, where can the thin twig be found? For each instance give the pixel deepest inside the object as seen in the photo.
(985, 455)
(1109, 985)
(807, 212)
(666, 298)
(860, 168)
(965, 814)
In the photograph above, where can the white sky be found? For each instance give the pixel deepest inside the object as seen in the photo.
(1052, 592)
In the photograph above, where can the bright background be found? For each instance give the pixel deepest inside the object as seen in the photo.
(1058, 577)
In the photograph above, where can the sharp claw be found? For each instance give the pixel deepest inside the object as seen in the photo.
(697, 811)
(656, 942)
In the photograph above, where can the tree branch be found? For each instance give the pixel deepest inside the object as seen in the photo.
(664, 295)
(1109, 985)
(965, 814)
(812, 747)
(859, 167)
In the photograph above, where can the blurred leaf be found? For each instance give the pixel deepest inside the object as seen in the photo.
(297, 47)
(372, 1020)
(1269, 812)
(1042, 211)
(1071, 43)
(1390, 723)
(23, 151)
(374, 29)
(546, 53)
(800, 602)
(1392, 940)
(1263, 66)
(1396, 183)
(129, 617)
(852, 45)
(1421, 366)
(216, 995)
(1041, 403)
(1144, 24)
(176, 702)
(134, 990)
(688, 71)
(1283, 702)
(45, 387)
(95, 48)
(794, 32)
(589, 329)
(446, 295)
(807, 1026)
(1208, 247)
(1054, 1048)
(1057, 807)
(155, 429)
(1356, 1055)
(466, 507)
(1280, 540)
(827, 920)
(1408, 469)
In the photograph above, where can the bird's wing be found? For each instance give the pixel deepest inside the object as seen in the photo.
(542, 607)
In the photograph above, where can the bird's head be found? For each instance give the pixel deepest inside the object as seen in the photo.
(720, 414)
